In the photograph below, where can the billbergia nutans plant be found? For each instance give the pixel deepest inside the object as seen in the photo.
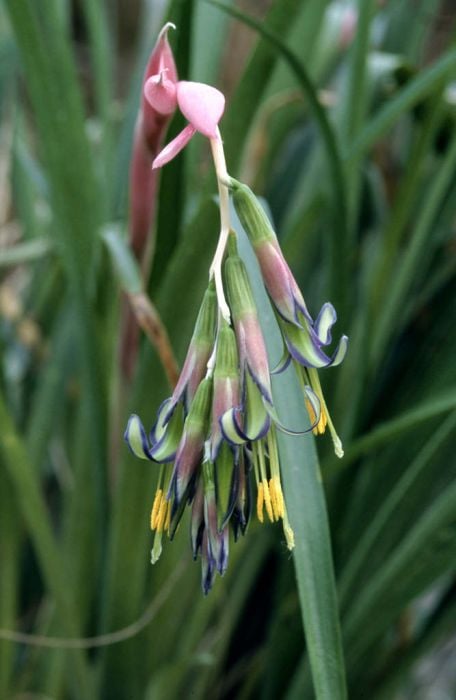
(228, 236)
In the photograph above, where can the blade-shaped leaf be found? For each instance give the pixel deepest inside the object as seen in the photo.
(306, 509)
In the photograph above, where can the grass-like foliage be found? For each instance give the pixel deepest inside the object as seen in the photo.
(342, 116)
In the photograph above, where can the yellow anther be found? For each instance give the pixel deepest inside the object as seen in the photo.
(322, 422)
(275, 489)
(311, 412)
(168, 517)
(267, 501)
(162, 514)
(272, 492)
(260, 502)
(321, 425)
(155, 509)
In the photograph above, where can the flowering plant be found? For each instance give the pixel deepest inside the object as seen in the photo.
(216, 436)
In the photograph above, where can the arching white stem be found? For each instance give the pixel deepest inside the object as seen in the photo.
(216, 266)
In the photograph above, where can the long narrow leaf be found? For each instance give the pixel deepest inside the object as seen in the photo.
(307, 512)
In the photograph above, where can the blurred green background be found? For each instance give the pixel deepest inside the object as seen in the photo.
(342, 115)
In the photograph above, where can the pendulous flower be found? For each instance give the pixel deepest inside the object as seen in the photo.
(215, 437)
(304, 338)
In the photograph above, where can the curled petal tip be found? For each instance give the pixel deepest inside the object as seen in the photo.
(136, 438)
(340, 352)
(324, 323)
(165, 28)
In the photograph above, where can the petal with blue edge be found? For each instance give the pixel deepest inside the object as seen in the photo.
(324, 322)
(136, 437)
(164, 450)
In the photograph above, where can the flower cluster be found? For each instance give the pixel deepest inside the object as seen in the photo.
(216, 436)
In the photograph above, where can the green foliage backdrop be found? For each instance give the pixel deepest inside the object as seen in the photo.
(342, 115)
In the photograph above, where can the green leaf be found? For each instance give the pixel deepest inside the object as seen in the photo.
(123, 260)
(387, 432)
(389, 320)
(305, 500)
(10, 547)
(24, 479)
(425, 553)
(418, 88)
(75, 196)
(396, 499)
(25, 252)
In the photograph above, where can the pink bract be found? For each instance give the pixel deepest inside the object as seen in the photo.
(160, 92)
(202, 105)
(174, 147)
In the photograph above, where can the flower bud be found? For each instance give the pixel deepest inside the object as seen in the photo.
(226, 483)
(199, 351)
(251, 214)
(252, 350)
(226, 382)
(277, 276)
(240, 295)
(217, 541)
(197, 519)
(207, 565)
(191, 447)
(243, 507)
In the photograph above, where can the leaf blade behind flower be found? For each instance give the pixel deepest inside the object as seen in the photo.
(306, 506)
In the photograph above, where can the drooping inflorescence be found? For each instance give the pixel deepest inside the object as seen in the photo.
(215, 438)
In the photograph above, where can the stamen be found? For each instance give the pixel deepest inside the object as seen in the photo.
(275, 485)
(162, 514)
(260, 502)
(267, 501)
(255, 464)
(155, 509)
(259, 446)
(157, 548)
(275, 489)
(288, 532)
(321, 425)
(316, 386)
(168, 517)
(312, 416)
(274, 499)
